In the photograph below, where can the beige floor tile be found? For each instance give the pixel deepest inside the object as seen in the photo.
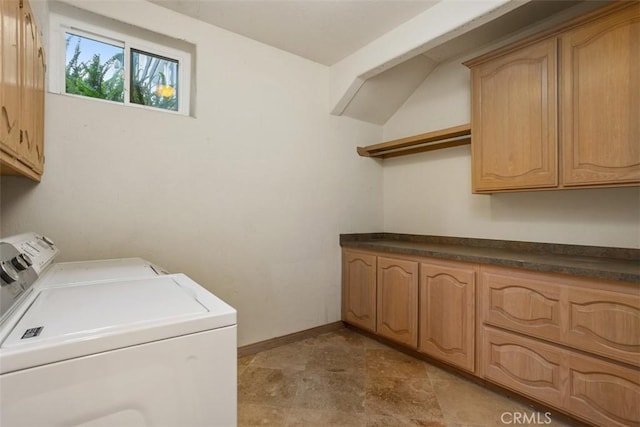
(291, 356)
(341, 337)
(260, 415)
(465, 403)
(316, 418)
(346, 379)
(243, 362)
(338, 359)
(387, 362)
(266, 386)
(330, 391)
(411, 398)
(384, 421)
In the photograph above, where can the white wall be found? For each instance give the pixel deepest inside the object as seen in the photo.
(248, 198)
(430, 193)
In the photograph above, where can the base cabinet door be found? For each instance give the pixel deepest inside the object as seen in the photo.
(359, 289)
(447, 312)
(398, 300)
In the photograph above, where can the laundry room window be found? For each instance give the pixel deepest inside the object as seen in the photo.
(94, 62)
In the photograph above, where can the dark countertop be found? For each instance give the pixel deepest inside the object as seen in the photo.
(588, 261)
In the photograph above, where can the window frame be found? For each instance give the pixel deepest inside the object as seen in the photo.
(60, 25)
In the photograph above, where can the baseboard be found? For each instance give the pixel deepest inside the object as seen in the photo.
(250, 349)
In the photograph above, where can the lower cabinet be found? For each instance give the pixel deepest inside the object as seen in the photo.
(422, 303)
(359, 289)
(568, 342)
(397, 314)
(447, 312)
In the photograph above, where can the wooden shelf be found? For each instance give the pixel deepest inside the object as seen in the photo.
(443, 138)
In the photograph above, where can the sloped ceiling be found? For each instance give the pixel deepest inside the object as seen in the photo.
(369, 83)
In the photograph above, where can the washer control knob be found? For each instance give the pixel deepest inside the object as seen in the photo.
(8, 273)
(48, 241)
(19, 263)
(26, 258)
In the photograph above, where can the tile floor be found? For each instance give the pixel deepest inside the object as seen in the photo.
(345, 379)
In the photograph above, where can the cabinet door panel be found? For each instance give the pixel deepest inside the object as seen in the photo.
(515, 120)
(359, 289)
(28, 154)
(524, 365)
(600, 100)
(9, 77)
(447, 313)
(38, 149)
(398, 300)
(602, 392)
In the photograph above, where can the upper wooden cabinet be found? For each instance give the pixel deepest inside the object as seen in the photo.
(600, 100)
(572, 94)
(359, 289)
(515, 138)
(22, 76)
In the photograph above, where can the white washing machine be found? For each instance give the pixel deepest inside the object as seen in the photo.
(134, 347)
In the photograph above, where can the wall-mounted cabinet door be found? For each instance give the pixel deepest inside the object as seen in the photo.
(9, 76)
(600, 100)
(514, 119)
(447, 312)
(359, 289)
(398, 300)
(30, 83)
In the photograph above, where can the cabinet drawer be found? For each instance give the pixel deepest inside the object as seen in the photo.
(521, 302)
(580, 313)
(529, 367)
(602, 392)
(598, 391)
(605, 323)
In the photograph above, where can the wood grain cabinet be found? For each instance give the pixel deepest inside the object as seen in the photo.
(571, 94)
(514, 128)
(359, 289)
(571, 342)
(22, 77)
(447, 312)
(595, 390)
(600, 100)
(423, 303)
(397, 307)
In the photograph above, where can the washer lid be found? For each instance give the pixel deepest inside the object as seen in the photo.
(64, 273)
(81, 319)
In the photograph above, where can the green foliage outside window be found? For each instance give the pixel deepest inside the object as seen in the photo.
(153, 78)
